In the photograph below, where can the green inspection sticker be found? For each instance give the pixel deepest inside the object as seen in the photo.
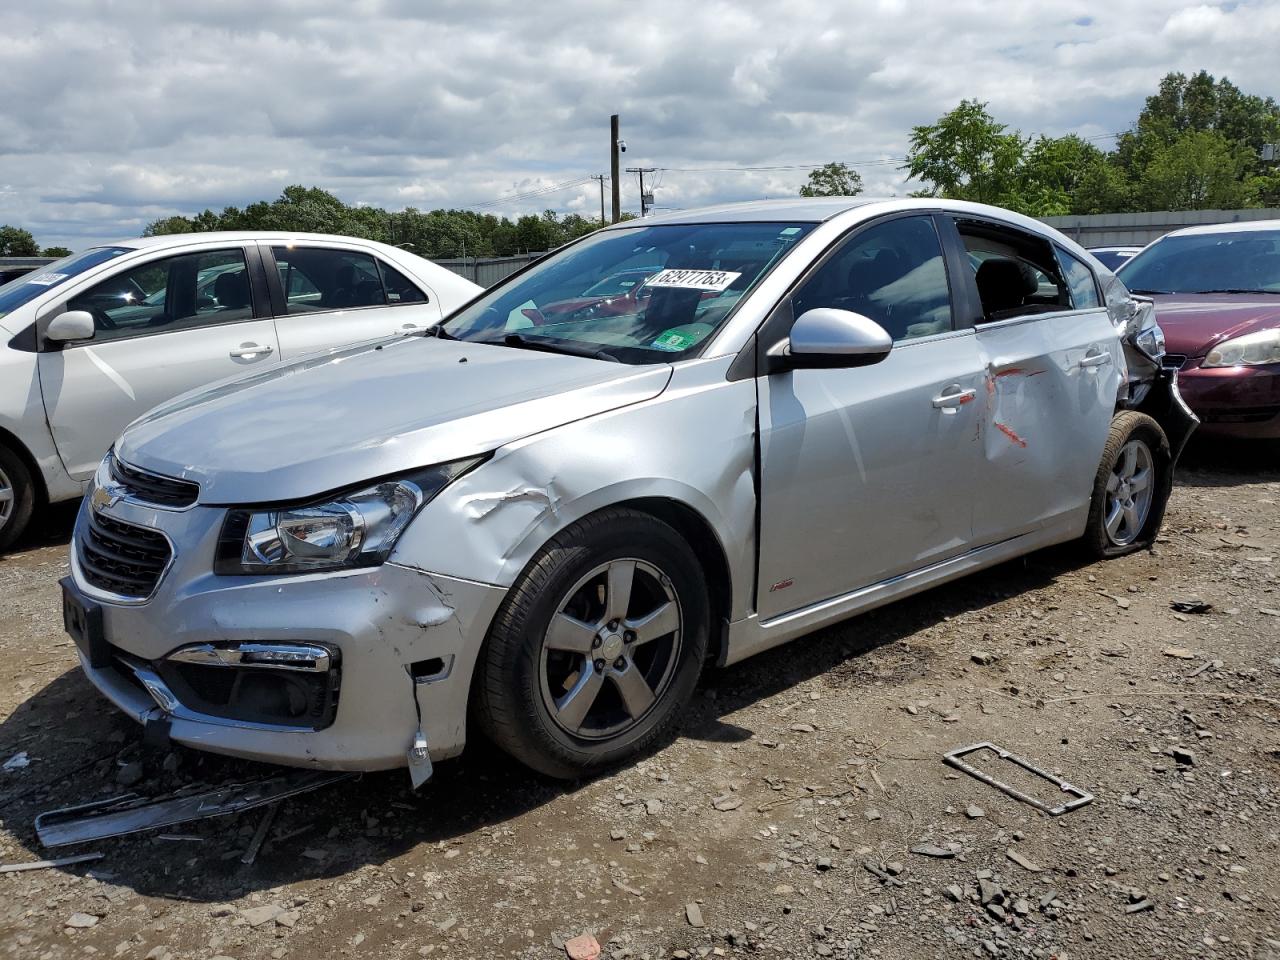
(673, 341)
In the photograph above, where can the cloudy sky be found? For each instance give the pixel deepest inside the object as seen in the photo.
(116, 113)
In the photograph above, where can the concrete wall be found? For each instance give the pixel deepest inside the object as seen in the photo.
(1139, 229)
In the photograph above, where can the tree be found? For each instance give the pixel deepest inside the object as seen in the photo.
(966, 155)
(832, 180)
(16, 242)
(1199, 170)
(55, 252)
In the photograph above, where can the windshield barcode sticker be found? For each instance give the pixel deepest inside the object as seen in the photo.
(693, 279)
(47, 279)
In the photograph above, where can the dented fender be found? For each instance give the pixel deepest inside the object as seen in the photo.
(693, 445)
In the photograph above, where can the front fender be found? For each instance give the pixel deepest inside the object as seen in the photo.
(694, 445)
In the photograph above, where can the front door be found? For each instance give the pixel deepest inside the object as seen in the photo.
(866, 473)
(161, 328)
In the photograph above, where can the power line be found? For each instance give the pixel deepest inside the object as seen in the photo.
(531, 194)
(758, 168)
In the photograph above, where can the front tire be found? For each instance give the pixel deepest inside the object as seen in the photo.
(1131, 488)
(597, 648)
(17, 497)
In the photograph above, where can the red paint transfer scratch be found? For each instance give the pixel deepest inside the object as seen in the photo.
(1011, 435)
(967, 399)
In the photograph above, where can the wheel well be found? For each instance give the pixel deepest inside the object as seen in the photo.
(702, 539)
(19, 450)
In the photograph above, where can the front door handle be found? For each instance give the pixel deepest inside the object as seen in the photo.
(957, 398)
(1095, 360)
(250, 351)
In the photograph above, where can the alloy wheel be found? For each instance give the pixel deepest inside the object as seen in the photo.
(1130, 491)
(8, 497)
(611, 649)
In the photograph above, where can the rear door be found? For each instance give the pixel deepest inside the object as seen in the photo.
(1053, 365)
(866, 472)
(162, 327)
(329, 296)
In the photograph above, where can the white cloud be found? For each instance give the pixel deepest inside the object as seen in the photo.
(117, 114)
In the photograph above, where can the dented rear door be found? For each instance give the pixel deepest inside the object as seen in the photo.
(1048, 395)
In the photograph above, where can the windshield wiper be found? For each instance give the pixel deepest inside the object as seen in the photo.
(1238, 290)
(1148, 293)
(557, 346)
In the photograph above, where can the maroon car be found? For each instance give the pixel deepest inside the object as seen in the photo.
(1217, 294)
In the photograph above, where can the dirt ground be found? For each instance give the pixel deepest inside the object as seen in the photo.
(786, 819)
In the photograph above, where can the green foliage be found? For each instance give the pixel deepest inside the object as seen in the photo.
(430, 233)
(832, 180)
(55, 252)
(16, 242)
(967, 155)
(1196, 145)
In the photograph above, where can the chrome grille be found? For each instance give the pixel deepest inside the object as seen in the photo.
(121, 558)
(152, 487)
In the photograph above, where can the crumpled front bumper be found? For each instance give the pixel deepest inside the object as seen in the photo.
(381, 619)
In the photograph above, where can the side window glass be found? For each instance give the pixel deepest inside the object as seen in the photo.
(318, 279)
(1016, 272)
(399, 288)
(893, 273)
(1080, 281)
(192, 290)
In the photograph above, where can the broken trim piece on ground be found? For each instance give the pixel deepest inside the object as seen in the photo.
(953, 759)
(118, 816)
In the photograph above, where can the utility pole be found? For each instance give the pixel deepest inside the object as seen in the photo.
(614, 144)
(644, 205)
(600, 177)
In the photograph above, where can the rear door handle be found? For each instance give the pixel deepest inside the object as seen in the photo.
(1095, 360)
(249, 351)
(950, 401)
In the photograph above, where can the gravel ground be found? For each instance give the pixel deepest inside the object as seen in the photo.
(804, 811)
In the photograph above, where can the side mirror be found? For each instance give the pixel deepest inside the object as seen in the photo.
(70, 325)
(826, 337)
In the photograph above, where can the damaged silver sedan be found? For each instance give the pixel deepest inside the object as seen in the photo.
(676, 442)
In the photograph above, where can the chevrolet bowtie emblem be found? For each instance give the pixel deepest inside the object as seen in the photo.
(104, 497)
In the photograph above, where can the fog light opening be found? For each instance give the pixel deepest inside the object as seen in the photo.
(430, 670)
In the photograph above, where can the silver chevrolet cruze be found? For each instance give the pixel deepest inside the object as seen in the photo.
(679, 441)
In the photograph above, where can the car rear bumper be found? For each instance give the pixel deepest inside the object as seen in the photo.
(1233, 401)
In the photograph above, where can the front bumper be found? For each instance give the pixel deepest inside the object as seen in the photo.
(1233, 401)
(383, 621)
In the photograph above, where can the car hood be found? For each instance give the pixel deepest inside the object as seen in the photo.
(330, 421)
(1194, 323)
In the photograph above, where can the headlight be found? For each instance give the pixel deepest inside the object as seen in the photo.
(357, 528)
(1250, 350)
(1151, 342)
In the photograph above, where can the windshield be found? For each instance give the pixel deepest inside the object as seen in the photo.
(635, 295)
(29, 286)
(1243, 262)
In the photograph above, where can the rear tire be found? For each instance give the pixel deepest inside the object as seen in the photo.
(596, 650)
(1131, 488)
(17, 497)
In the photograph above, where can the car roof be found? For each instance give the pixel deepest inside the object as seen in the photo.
(794, 209)
(145, 243)
(1243, 226)
(1121, 248)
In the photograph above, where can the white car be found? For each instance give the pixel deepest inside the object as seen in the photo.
(93, 341)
